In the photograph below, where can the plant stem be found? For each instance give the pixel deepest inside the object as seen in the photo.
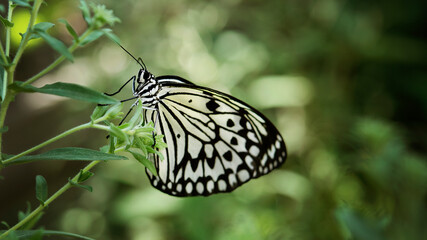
(8, 76)
(3, 54)
(7, 79)
(58, 60)
(26, 36)
(7, 46)
(40, 208)
(64, 134)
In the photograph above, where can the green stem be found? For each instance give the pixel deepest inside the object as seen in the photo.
(59, 60)
(64, 134)
(3, 54)
(40, 208)
(26, 36)
(3, 111)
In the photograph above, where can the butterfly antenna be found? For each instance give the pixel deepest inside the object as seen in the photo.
(139, 60)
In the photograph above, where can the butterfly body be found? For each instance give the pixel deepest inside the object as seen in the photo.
(215, 141)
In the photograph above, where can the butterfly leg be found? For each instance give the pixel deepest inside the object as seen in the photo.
(120, 89)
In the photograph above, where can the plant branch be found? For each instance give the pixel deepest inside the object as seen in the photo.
(40, 208)
(56, 138)
(26, 36)
(58, 60)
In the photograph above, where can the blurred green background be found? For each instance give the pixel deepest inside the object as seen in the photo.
(344, 82)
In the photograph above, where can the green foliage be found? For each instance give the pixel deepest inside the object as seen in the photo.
(41, 189)
(67, 154)
(100, 119)
(69, 90)
(53, 42)
(344, 82)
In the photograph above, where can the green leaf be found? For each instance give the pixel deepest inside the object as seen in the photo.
(41, 189)
(114, 111)
(109, 33)
(70, 29)
(4, 129)
(83, 176)
(98, 112)
(137, 115)
(43, 26)
(142, 159)
(26, 234)
(55, 44)
(69, 90)
(6, 22)
(92, 37)
(22, 215)
(5, 224)
(69, 154)
(85, 11)
(22, 3)
(117, 132)
(86, 187)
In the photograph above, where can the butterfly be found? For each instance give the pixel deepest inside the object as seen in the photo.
(215, 142)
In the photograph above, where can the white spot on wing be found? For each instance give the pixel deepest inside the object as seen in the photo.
(200, 188)
(252, 137)
(210, 186)
(222, 185)
(232, 179)
(254, 150)
(189, 187)
(249, 161)
(243, 175)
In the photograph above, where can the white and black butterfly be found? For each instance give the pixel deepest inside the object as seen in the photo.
(215, 142)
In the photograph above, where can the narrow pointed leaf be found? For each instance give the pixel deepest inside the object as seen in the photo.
(69, 90)
(92, 37)
(142, 159)
(41, 189)
(26, 234)
(70, 29)
(98, 112)
(6, 22)
(109, 33)
(22, 3)
(43, 26)
(70, 154)
(85, 11)
(117, 132)
(86, 187)
(83, 176)
(55, 44)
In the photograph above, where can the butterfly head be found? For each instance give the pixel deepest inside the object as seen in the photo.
(147, 87)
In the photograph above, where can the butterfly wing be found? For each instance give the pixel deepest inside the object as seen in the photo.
(215, 141)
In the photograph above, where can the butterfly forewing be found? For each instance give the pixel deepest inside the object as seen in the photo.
(215, 141)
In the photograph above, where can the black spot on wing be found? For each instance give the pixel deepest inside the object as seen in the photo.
(230, 123)
(212, 105)
(227, 155)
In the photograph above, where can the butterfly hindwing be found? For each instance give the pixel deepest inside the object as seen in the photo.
(215, 141)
